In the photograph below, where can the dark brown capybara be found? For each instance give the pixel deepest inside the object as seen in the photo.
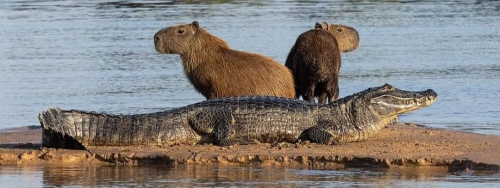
(216, 71)
(315, 60)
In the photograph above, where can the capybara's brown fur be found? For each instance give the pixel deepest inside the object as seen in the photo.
(347, 37)
(216, 71)
(315, 60)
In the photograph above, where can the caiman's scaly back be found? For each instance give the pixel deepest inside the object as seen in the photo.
(226, 120)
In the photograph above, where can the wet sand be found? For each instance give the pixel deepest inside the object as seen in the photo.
(399, 145)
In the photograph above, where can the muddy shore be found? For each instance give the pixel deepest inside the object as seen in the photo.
(399, 145)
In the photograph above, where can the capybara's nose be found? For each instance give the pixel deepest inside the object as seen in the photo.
(156, 38)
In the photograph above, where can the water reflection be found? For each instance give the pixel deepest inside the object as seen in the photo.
(213, 175)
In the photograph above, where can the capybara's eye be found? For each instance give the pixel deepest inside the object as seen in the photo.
(180, 31)
(339, 30)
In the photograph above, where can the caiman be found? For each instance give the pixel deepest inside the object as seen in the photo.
(224, 121)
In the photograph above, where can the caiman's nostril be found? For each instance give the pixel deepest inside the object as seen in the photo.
(431, 94)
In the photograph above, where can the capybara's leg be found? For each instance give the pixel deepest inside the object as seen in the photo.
(333, 96)
(333, 91)
(322, 97)
(309, 93)
(321, 92)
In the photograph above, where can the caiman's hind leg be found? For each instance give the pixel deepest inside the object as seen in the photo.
(319, 135)
(218, 123)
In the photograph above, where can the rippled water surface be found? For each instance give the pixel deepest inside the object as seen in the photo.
(241, 176)
(99, 56)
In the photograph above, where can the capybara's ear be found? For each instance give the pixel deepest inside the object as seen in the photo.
(195, 24)
(318, 26)
(323, 26)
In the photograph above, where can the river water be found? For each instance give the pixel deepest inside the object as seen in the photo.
(99, 55)
(241, 176)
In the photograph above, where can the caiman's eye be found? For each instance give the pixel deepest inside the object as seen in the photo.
(180, 31)
(388, 87)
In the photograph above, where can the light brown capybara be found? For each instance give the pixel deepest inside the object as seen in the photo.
(315, 60)
(216, 71)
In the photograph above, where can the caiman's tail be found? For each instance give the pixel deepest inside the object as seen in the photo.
(77, 129)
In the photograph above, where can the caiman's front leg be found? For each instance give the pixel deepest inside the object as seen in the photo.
(218, 123)
(224, 129)
(319, 135)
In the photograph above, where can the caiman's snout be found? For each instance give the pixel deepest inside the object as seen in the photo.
(432, 94)
(392, 101)
(428, 98)
(407, 101)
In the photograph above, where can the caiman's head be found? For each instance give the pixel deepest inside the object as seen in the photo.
(387, 101)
